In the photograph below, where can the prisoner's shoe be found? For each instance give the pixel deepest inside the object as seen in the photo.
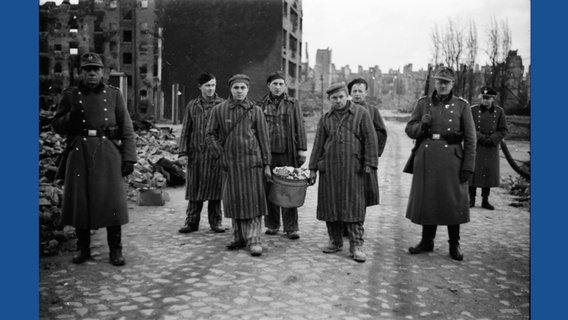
(188, 229)
(235, 245)
(271, 232)
(116, 258)
(82, 256)
(485, 204)
(331, 248)
(358, 255)
(455, 252)
(218, 229)
(423, 246)
(255, 250)
(292, 235)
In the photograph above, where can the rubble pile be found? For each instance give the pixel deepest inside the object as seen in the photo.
(519, 187)
(156, 168)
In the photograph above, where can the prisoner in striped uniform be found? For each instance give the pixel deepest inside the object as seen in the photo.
(287, 147)
(238, 133)
(203, 177)
(358, 90)
(345, 150)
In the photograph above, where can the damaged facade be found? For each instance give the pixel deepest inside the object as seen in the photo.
(125, 33)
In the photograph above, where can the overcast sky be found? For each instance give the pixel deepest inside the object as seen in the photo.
(393, 33)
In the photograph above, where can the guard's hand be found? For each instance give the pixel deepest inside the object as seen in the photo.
(268, 173)
(312, 178)
(426, 120)
(487, 142)
(464, 176)
(301, 157)
(127, 168)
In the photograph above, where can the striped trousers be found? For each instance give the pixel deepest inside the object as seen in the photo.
(247, 230)
(354, 230)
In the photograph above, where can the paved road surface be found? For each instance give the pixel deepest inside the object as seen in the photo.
(192, 276)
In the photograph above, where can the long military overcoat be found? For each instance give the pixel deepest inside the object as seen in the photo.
(238, 133)
(94, 193)
(344, 144)
(436, 195)
(204, 176)
(372, 181)
(489, 122)
(286, 129)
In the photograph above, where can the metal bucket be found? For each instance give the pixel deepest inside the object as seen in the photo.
(287, 193)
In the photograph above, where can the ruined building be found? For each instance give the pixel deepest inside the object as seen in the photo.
(125, 33)
(225, 37)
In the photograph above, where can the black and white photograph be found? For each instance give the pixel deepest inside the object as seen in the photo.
(284, 159)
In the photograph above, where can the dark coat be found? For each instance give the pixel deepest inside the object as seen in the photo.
(344, 145)
(94, 191)
(436, 195)
(286, 129)
(243, 152)
(489, 122)
(204, 176)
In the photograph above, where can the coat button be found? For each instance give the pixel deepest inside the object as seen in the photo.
(84, 121)
(105, 100)
(106, 119)
(105, 109)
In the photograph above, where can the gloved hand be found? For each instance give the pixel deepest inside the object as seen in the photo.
(426, 120)
(312, 178)
(127, 168)
(487, 142)
(464, 176)
(301, 157)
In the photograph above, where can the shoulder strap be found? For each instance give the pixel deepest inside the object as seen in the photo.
(241, 117)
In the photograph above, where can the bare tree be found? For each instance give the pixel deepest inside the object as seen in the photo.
(436, 44)
(471, 51)
(499, 45)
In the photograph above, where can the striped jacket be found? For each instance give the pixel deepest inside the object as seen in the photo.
(203, 178)
(343, 146)
(286, 129)
(378, 124)
(238, 133)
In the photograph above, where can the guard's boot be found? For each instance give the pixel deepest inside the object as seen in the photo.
(455, 251)
(83, 245)
(425, 245)
(485, 204)
(471, 201)
(114, 240)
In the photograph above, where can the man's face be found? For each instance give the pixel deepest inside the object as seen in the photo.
(487, 100)
(92, 75)
(277, 87)
(208, 88)
(338, 99)
(358, 92)
(443, 87)
(239, 90)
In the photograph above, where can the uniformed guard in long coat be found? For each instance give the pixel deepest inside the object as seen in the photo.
(101, 149)
(287, 147)
(345, 150)
(238, 133)
(491, 128)
(203, 177)
(444, 160)
(358, 90)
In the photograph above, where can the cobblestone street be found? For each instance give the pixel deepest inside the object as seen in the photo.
(169, 275)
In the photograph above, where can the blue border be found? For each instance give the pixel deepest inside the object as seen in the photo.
(19, 160)
(549, 214)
